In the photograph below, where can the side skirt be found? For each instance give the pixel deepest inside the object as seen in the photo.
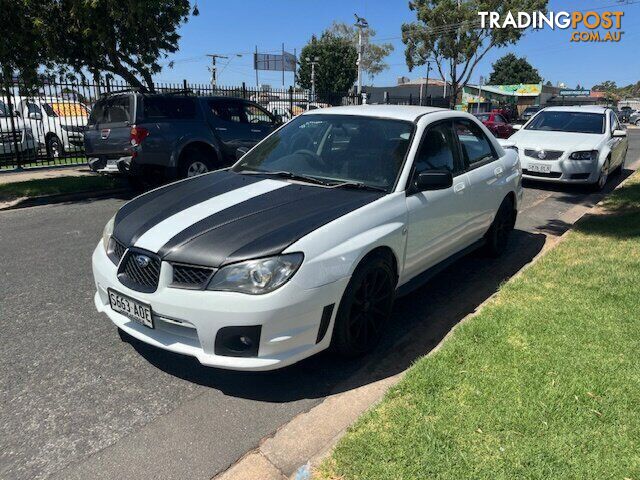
(419, 280)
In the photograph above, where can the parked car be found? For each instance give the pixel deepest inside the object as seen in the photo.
(306, 241)
(634, 119)
(572, 144)
(496, 124)
(175, 135)
(57, 124)
(529, 112)
(625, 113)
(15, 137)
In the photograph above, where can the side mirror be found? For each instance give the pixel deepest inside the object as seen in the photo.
(433, 180)
(35, 116)
(619, 133)
(240, 152)
(517, 126)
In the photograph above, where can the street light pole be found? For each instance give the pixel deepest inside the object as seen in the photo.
(361, 23)
(313, 64)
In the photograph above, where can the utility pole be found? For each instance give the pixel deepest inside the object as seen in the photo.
(426, 83)
(480, 92)
(214, 78)
(313, 64)
(361, 24)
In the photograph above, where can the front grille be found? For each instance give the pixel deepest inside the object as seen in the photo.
(137, 275)
(115, 251)
(188, 276)
(7, 137)
(548, 154)
(540, 174)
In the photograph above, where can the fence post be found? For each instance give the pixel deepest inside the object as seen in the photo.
(244, 90)
(184, 84)
(410, 99)
(385, 97)
(8, 86)
(291, 98)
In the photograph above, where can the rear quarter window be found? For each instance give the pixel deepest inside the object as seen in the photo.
(169, 108)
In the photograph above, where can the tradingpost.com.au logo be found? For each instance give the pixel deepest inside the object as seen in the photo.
(589, 26)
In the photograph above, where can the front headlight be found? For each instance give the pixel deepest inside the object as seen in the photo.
(257, 277)
(107, 232)
(585, 155)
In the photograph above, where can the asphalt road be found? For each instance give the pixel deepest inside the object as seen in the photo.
(77, 402)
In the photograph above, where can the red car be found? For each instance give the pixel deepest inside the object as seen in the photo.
(497, 124)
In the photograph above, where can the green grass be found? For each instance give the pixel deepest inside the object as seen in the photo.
(51, 186)
(48, 163)
(543, 384)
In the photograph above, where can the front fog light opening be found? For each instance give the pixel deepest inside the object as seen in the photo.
(238, 341)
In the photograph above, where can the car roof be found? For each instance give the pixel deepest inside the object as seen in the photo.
(397, 112)
(578, 108)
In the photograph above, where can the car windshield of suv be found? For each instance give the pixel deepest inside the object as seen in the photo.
(575, 122)
(334, 149)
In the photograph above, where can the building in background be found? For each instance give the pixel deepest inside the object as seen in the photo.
(484, 98)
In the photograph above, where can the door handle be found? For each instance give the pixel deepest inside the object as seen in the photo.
(458, 187)
(498, 171)
(221, 129)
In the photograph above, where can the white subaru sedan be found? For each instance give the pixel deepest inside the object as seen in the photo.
(307, 240)
(572, 144)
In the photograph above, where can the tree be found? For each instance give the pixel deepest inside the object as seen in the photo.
(606, 86)
(549, 84)
(510, 70)
(125, 38)
(373, 54)
(579, 87)
(449, 32)
(336, 70)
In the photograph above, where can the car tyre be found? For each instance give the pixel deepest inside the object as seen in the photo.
(602, 178)
(54, 147)
(365, 307)
(196, 162)
(497, 237)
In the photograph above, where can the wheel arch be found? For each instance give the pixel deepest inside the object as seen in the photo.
(198, 145)
(384, 251)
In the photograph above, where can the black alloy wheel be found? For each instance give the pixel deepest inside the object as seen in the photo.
(497, 237)
(365, 307)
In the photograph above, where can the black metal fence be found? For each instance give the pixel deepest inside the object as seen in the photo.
(43, 125)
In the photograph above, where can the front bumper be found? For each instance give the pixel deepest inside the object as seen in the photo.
(187, 321)
(563, 170)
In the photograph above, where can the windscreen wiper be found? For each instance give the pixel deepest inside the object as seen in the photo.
(359, 186)
(285, 174)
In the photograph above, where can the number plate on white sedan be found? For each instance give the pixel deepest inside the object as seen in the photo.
(539, 168)
(137, 311)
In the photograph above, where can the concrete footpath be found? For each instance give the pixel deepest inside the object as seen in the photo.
(40, 173)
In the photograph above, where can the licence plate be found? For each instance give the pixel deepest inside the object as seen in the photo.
(133, 309)
(539, 168)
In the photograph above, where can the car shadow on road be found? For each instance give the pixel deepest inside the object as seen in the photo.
(419, 322)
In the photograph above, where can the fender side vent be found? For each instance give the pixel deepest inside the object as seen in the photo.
(324, 322)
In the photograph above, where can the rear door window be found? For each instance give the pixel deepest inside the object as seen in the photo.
(169, 108)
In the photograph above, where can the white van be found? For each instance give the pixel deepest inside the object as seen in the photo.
(15, 137)
(57, 123)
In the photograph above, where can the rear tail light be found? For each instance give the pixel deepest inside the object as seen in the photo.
(138, 134)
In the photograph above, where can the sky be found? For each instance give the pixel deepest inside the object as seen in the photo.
(237, 27)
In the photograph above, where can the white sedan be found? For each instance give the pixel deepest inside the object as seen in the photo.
(572, 144)
(307, 240)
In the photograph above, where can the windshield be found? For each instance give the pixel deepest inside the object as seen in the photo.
(335, 148)
(575, 122)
